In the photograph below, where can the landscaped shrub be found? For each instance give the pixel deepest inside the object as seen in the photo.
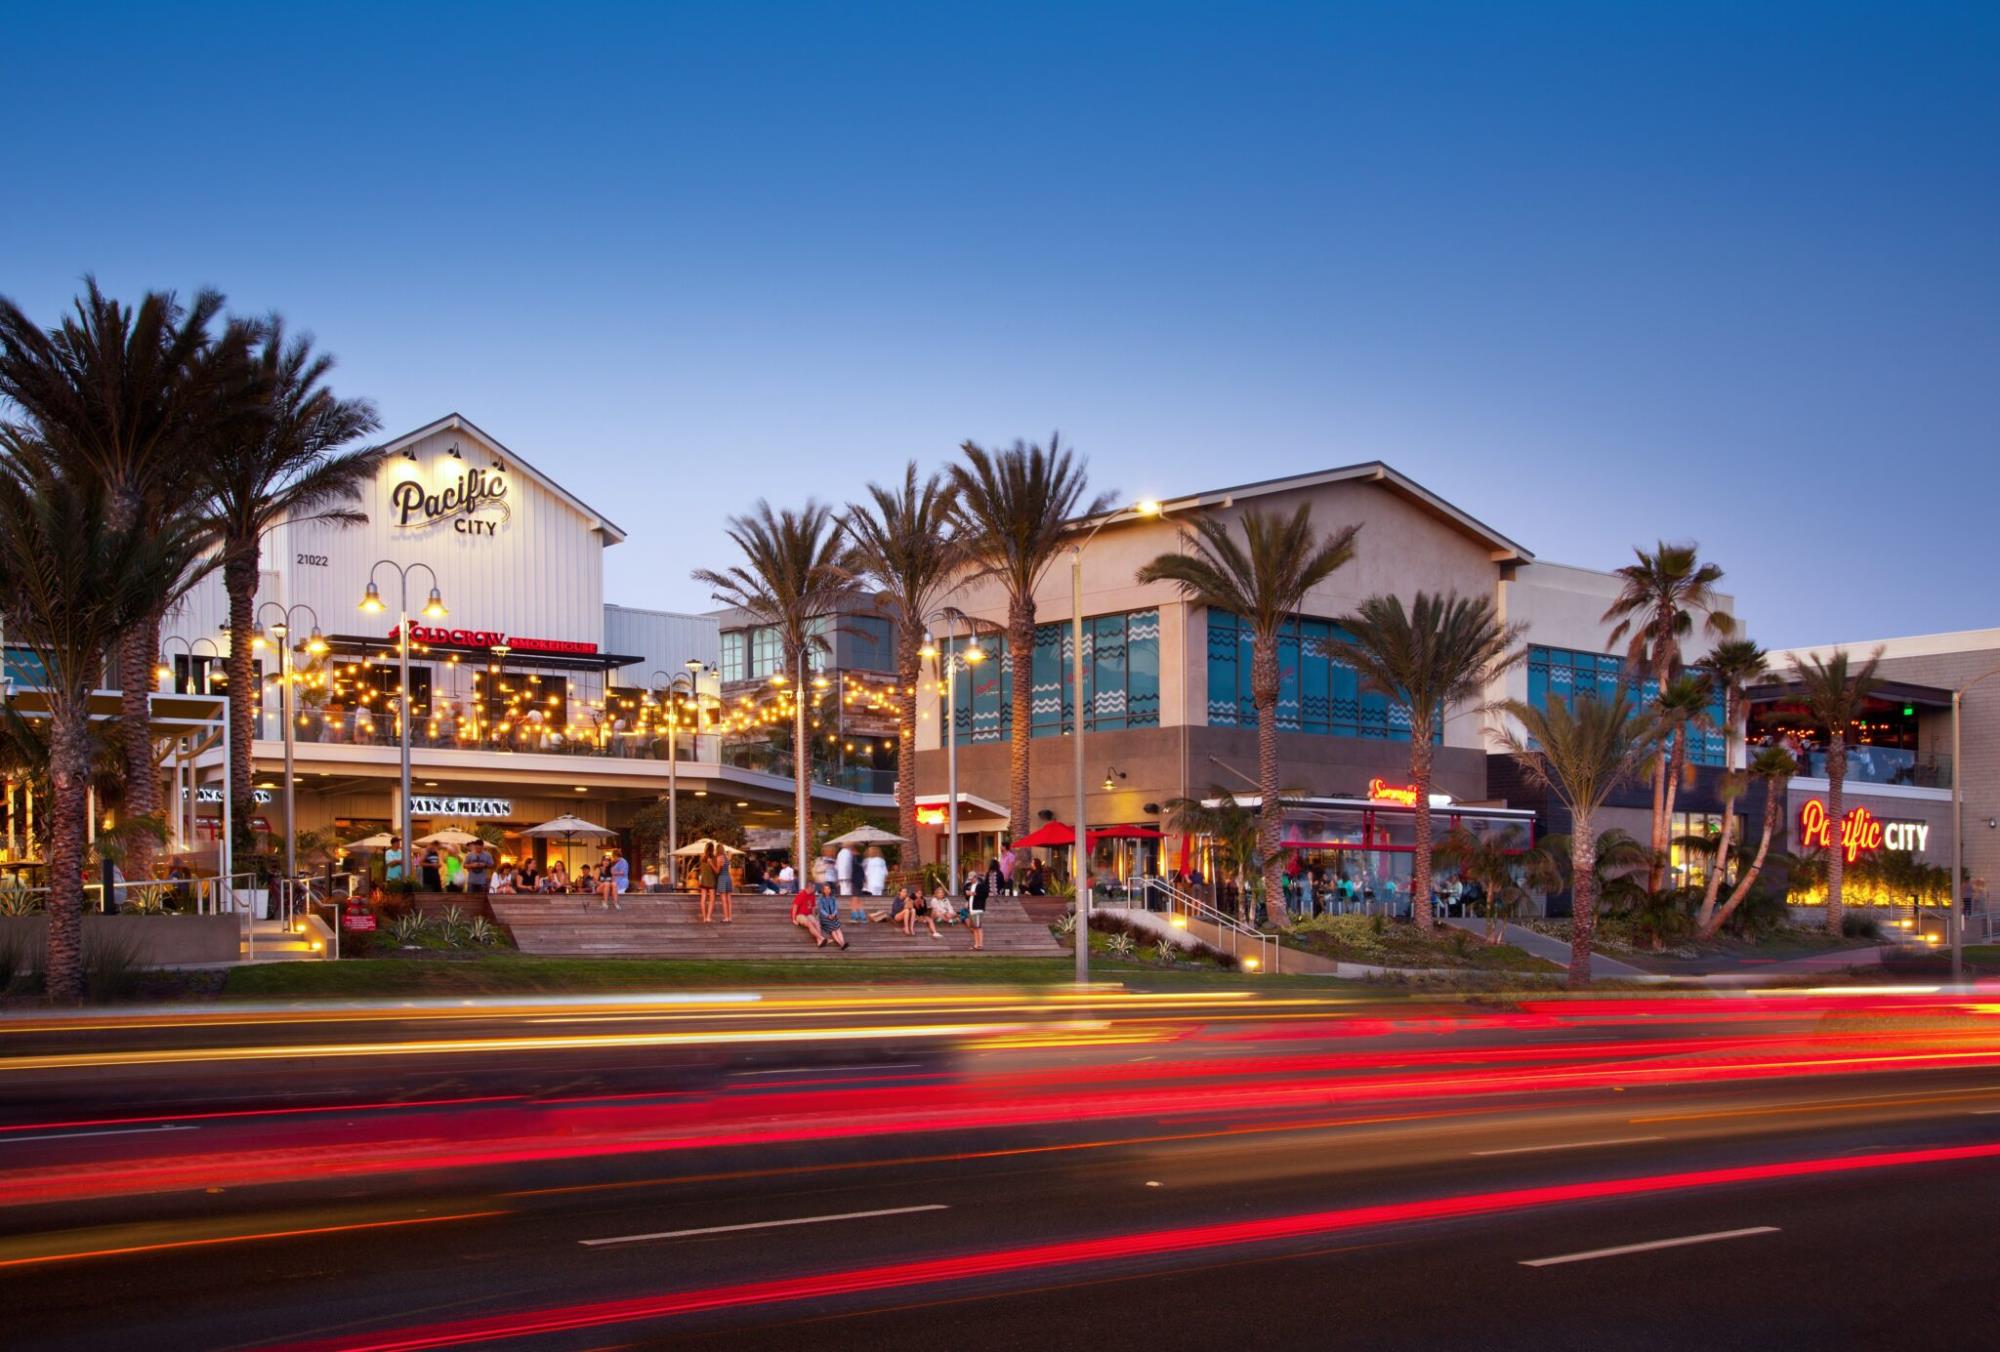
(1860, 925)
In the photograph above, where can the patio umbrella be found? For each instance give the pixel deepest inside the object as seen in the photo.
(381, 840)
(695, 847)
(867, 835)
(567, 826)
(451, 835)
(1126, 833)
(1045, 837)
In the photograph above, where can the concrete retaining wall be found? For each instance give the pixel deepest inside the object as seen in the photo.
(155, 940)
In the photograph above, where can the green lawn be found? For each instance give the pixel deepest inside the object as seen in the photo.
(518, 974)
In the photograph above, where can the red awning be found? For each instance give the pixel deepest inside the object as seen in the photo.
(1127, 833)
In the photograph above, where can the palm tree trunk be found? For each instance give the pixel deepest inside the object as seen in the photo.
(1583, 909)
(1021, 668)
(1706, 922)
(802, 752)
(1420, 862)
(239, 579)
(1749, 877)
(1676, 767)
(69, 780)
(909, 671)
(1657, 868)
(1271, 812)
(1836, 814)
(138, 653)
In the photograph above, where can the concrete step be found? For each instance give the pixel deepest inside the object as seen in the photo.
(670, 926)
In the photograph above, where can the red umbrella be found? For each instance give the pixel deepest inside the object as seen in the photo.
(1043, 837)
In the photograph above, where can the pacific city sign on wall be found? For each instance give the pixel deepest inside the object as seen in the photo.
(476, 504)
(1861, 831)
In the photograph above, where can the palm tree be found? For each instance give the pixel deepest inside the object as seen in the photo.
(796, 575)
(1580, 750)
(70, 584)
(1231, 828)
(1683, 709)
(1438, 655)
(1774, 767)
(1496, 862)
(1835, 693)
(1655, 610)
(134, 396)
(1735, 664)
(296, 463)
(1264, 580)
(1015, 509)
(904, 545)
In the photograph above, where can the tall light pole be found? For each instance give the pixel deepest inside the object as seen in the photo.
(949, 665)
(672, 688)
(371, 604)
(288, 708)
(184, 788)
(1958, 827)
(1081, 850)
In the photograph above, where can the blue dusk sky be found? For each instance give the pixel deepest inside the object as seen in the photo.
(1597, 273)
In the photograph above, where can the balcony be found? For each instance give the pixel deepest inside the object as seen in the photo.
(1883, 765)
(314, 728)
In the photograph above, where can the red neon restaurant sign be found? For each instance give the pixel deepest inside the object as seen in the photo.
(489, 638)
(1381, 792)
(1860, 830)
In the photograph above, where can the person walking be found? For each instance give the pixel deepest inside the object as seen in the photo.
(392, 861)
(725, 884)
(705, 876)
(454, 869)
(975, 916)
(432, 866)
(478, 868)
(996, 880)
(843, 877)
(875, 873)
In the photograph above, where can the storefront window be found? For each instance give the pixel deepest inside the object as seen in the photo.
(1317, 692)
(1121, 680)
(735, 656)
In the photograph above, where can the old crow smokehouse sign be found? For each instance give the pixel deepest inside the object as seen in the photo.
(475, 505)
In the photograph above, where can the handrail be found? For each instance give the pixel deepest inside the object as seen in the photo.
(1194, 908)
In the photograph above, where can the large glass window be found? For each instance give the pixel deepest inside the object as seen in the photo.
(1121, 680)
(1566, 674)
(1317, 692)
(735, 655)
(767, 653)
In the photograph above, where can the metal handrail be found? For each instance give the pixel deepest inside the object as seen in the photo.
(1194, 908)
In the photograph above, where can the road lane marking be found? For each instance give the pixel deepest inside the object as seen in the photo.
(1588, 1254)
(75, 1135)
(823, 1070)
(1569, 1145)
(763, 1225)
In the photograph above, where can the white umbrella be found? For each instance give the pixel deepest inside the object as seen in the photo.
(567, 826)
(381, 840)
(702, 846)
(867, 835)
(449, 836)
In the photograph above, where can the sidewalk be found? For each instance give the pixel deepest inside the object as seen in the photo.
(1542, 946)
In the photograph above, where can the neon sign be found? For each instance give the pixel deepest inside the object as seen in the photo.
(1380, 791)
(930, 816)
(1861, 831)
(493, 638)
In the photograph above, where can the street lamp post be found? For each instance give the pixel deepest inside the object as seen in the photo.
(371, 603)
(1080, 851)
(1958, 827)
(672, 688)
(288, 708)
(949, 665)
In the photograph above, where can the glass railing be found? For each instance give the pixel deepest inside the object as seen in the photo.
(857, 778)
(1884, 765)
(611, 742)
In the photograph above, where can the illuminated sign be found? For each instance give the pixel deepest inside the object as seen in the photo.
(212, 795)
(1381, 792)
(930, 816)
(493, 638)
(424, 806)
(1861, 831)
(475, 505)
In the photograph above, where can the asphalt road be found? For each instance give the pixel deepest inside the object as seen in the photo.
(1006, 1170)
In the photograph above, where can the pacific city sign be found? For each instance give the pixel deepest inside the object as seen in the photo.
(1861, 831)
(475, 505)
